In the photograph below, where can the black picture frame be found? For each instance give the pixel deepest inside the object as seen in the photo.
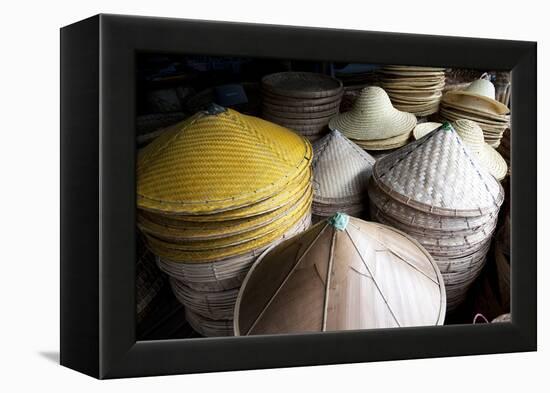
(98, 196)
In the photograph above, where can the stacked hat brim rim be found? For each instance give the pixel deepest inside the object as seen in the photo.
(223, 273)
(412, 89)
(199, 185)
(499, 107)
(384, 144)
(297, 102)
(302, 85)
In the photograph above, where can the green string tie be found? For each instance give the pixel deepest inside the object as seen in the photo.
(339, 221)
(447, 126)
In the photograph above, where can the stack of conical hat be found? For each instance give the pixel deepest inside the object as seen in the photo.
(301, 101)
(341, 171)
(437, 191)
(213, 193)
(472, 136)
(373, 123)
(341, 274)
(414, 89)
(477, 102)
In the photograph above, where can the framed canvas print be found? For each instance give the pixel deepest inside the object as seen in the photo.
(240, 196)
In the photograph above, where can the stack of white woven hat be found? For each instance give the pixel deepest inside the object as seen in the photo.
(437, 191)
(341, 171)
(373, 123)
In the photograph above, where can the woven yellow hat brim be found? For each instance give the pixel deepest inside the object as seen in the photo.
(187, 230)
(476, 101)
(243, 248)
(493, 162)
(423, 129)
(287, 195)
(234, 239)
(214, 163)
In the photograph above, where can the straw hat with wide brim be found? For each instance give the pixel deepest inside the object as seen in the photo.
(472, 135)
(481, 94)
(373, 117)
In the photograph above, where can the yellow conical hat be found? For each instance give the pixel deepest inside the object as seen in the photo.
(217, 161)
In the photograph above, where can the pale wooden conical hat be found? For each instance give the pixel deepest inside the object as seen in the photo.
(373, 117)
(341, 274)
(437, 174)
(341, 169)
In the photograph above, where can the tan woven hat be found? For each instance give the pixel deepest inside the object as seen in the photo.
(373, 117)
(472, 135)
(423, 129)
(480, 94)
(342, 274)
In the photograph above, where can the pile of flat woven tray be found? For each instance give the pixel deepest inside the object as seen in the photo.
(301, 101)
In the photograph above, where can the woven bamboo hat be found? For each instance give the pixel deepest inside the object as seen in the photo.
(341, 274)
(423, 129)
(341, 169)
(472, 135)
(246, 158)
(373, 117)
(480, 94)
(459, 186)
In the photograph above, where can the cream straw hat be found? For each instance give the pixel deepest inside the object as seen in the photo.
(423, 129)
(373, 117)
(481, 94)
(472, 136)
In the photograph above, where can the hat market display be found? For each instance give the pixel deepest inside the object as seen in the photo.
(301, 101)
(472, 136)
(413, 89)
(477, 102)
(213, 192)
(341, 171)
(373, 123)
(437, 191)
(341, 274)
